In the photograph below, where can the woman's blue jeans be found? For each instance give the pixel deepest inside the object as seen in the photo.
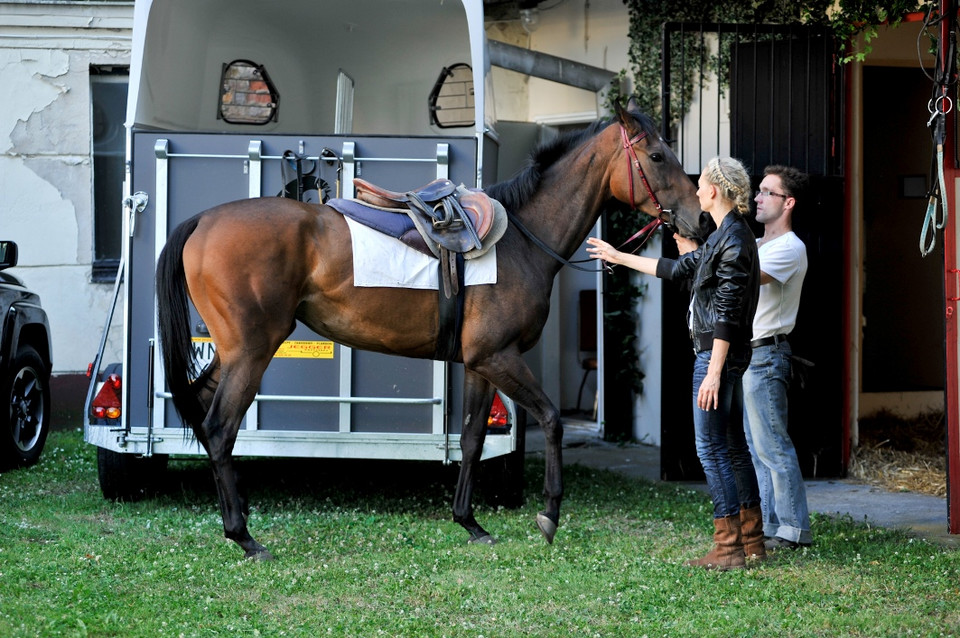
(721, 443)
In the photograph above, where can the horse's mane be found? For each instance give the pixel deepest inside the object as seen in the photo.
(514, 192)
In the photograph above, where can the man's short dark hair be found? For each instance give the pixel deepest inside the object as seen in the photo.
(794, 181)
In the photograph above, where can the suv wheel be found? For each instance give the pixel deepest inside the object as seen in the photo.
(25, 421)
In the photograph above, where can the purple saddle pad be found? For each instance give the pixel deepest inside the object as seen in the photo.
(397, 225)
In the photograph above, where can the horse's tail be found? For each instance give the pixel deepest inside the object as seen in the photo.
(173, 319)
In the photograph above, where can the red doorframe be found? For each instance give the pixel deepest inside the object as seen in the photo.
(951, 288)
(951, 279)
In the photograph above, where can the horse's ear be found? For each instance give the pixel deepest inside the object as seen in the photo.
(618, 108)
(632, 105)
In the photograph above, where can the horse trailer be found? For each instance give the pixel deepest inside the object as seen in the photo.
(233, 99)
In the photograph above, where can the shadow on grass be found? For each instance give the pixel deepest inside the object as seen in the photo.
(387, 486)
(426, 489)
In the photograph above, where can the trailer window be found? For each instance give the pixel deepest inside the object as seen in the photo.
(108, 91)
(451, 100)
(247, 96)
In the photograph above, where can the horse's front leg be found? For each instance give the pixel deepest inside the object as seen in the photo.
(477, 399)
(512, 375)
(549, 418)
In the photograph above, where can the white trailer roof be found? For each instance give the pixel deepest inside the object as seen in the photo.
(394, 50)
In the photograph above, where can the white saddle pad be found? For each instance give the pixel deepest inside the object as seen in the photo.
(380, 261)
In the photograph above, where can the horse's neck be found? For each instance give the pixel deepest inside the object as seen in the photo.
(568, 202)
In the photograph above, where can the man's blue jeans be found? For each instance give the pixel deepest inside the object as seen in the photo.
(721, 443)
(782, 490)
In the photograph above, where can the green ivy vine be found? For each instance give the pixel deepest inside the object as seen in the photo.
(847, 18)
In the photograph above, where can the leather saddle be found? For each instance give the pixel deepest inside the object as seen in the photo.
(448, 216)
(453, 223)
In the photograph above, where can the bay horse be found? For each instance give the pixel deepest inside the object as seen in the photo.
(252, 268)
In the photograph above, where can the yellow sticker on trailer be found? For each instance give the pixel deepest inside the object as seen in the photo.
(203, 349)
(305, 350)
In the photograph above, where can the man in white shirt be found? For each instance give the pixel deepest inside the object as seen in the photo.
(783, 265)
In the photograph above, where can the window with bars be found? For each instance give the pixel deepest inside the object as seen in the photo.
(451, 100)
(247, 95)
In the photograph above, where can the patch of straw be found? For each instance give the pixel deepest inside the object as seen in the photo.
(902, 455)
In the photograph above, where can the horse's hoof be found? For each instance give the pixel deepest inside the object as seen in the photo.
(486, 539)
(259, 555)
(547, 527)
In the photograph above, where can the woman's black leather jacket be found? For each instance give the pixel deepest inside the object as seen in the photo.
(725, 277)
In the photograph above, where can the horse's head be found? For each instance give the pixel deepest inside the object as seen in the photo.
(652, 178)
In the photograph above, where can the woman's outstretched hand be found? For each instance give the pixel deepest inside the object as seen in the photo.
(599, 249)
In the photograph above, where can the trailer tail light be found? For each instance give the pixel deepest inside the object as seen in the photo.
(498, 415)
(106, 405)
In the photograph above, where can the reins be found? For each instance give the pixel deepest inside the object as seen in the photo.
(646, 232)
(643, 234)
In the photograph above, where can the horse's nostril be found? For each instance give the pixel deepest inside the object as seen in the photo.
(668, 217)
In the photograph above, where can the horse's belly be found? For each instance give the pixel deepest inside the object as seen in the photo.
(388, 320)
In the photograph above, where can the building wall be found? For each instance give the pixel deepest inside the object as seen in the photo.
(595, 33)
(46, 197)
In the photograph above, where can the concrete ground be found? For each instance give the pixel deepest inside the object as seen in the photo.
(920, 515)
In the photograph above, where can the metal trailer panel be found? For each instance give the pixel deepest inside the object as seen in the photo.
(344, 403)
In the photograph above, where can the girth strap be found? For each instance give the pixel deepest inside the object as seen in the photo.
(451, 305)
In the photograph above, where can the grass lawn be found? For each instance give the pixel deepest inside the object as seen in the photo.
(369, 549)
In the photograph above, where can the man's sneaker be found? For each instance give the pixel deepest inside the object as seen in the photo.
(776, 543)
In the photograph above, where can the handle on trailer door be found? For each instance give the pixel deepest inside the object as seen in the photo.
(135, 204)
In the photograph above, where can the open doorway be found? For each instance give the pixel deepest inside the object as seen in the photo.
(903, 331)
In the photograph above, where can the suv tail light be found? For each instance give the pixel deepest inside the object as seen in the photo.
(106, 405)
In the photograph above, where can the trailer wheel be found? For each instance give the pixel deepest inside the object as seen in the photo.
(128, 477)
(502, 478)
(25, 417)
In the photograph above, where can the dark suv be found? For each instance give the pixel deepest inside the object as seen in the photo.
(24, 368)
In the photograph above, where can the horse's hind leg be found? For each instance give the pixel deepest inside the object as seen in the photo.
(477, 398)
(218, 434)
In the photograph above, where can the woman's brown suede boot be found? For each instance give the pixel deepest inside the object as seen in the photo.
(727, 552)
(751, 533)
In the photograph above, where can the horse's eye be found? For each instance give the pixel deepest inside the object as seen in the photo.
(656, 157)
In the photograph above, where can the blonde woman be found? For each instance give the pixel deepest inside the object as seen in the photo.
(725, 275)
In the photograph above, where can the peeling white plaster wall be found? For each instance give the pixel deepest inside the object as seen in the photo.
(33, 73)
(46, 178)
(28, 201)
